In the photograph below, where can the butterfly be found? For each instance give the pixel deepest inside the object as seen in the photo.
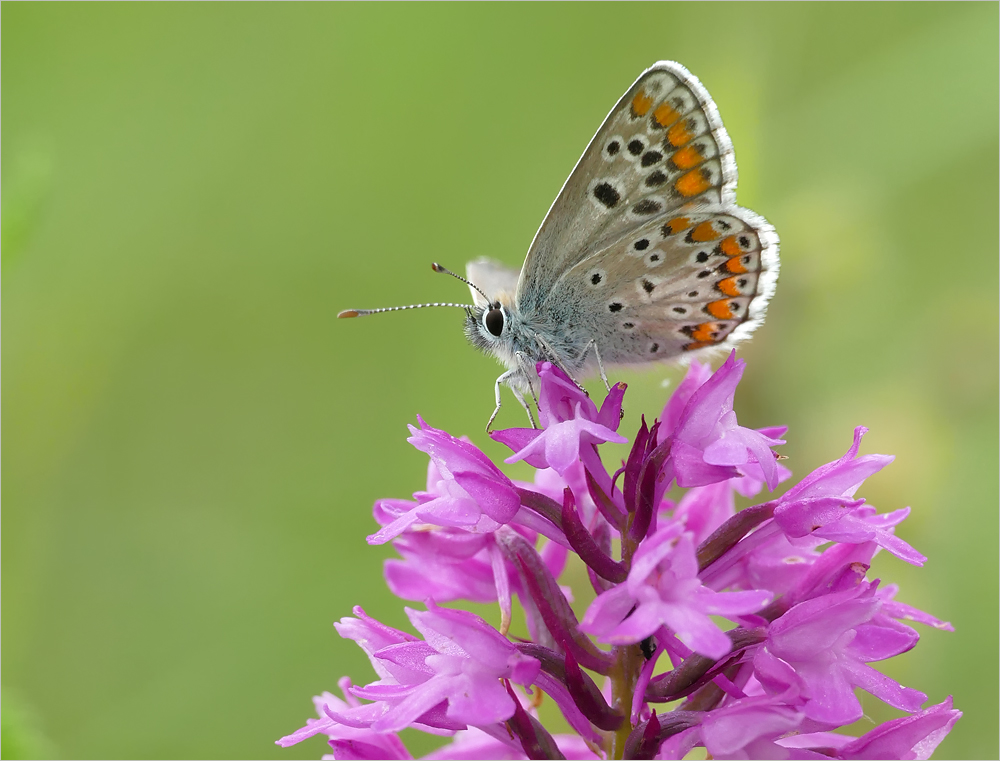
(644, 255)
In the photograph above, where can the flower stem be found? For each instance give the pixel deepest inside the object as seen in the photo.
(624, 676)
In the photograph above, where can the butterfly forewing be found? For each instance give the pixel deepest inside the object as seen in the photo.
(662, 148)
(493, 277)
(645, 251)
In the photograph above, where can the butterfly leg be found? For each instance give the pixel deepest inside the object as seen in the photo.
(522, 361)
(604, 375)
(496, 411)
(527, 407)
(505, 378)
(600, 365)
(534, 398)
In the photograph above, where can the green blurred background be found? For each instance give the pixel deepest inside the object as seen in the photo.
(193, 442)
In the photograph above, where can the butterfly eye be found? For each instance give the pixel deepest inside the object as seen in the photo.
(493, 320)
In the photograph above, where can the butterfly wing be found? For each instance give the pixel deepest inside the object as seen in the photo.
(682, 282)
(495, 278)
(645, 250)
(662, 147)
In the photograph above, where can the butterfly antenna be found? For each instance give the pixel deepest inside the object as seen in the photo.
(363, 312)
(437, 268)
(444, 270)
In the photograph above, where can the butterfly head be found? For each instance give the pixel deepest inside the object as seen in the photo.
(489, 325)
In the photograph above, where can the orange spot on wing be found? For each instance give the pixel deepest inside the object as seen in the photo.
(704, 232)
(704, 332)
(729, 286)
(687, 157)
(730, 247)
(692, 183)
(735, 266)
(641, 103)
(679, 134)
(677, 224)
(665, 115)
(720, 310)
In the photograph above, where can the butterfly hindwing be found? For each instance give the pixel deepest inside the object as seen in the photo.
(662, 148)
(681, 282)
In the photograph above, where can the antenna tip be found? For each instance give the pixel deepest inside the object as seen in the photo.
(348, 313)
(437, 267)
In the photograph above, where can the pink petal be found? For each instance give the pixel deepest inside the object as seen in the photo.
(450, 511)
(692, 470)
(727, 731)
(494, 497)
(876, 643)
(831, 696)
(607, 611)
(518, 439)
(475, 701)
(696, 630)
(404, 713)
(914, 737)
(710, 402)
(731, 604)
(394, 529)
(696, 376)
(643, 622)
(884, 688)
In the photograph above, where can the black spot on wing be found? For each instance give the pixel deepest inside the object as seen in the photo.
(647, 206)
(607, 195)
(651, 157)
(655, 179)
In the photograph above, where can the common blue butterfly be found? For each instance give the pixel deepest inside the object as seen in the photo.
(643, 256)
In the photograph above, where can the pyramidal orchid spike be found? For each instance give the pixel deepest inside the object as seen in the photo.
(762, 622)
